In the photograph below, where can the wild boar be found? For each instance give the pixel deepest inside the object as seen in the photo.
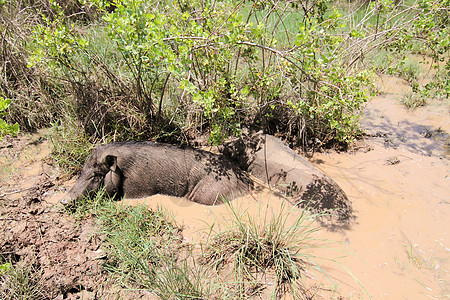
(271, 161)
(140, 169)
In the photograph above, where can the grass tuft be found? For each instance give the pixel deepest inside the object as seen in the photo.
(262, 255)
(20, 283)
(181, 280)
(145, 252)
(262, 246)
(410, 70)
(89, 205)
(413, 100)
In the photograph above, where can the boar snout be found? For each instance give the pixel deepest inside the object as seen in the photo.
(67, 200)
(92, 178)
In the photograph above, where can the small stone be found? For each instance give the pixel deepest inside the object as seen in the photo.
(393, 160)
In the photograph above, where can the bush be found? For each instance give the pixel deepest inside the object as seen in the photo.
(6, 128)
(186, 70)
(170, 71)
(34, 96)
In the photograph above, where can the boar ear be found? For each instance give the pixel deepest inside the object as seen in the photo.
(111, 162)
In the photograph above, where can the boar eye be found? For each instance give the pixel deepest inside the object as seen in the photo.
(96, 176)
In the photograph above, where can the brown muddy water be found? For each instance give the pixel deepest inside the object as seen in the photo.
(400, 191)
(399, 183)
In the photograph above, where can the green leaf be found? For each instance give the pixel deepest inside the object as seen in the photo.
(5, 268)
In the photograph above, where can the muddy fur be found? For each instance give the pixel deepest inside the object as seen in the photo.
(268, 159)
(140, 169)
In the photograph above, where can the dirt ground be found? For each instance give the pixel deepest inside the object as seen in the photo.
(398, 183)
(39, 235)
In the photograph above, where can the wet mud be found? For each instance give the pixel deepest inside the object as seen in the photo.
(38, 236)
(62, 254)
(398, 180)
(397, 247)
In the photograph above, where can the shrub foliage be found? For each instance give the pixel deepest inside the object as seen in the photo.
(171, 70)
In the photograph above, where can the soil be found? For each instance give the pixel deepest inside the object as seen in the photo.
(63, 252)
(39, 235)
(398, 182)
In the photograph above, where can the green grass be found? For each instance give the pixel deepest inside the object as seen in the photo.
(282, 26)
(413, 100)
(261, 255)
(409, 69)
(145, 252)
(88, 205)
(145, 249)
(382, 61)
(20, 283)
(264, 246)
(182, 280)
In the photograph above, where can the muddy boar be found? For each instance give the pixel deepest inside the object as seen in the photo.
(268, 159)
(140, 169)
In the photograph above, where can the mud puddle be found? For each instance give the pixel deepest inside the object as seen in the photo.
(400, 237)
(400, 191)
(398, 246)
(200, 221)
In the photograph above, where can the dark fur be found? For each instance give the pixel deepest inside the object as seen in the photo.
(270, 160)
(140, 169)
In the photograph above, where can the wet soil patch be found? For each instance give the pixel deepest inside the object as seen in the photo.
(63, 253)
